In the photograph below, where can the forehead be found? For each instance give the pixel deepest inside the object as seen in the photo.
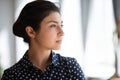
(52, 17)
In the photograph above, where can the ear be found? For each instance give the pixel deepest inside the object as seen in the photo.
(30, 31)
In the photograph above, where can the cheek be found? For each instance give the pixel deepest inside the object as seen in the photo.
(47, 37)
(47, 40)
(50, 37)
(50, 33)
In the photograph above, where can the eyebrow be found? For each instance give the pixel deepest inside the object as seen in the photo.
(54, 21)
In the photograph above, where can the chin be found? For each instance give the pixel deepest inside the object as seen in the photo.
(57, 48)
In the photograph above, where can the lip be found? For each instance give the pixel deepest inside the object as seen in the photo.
(59, 41)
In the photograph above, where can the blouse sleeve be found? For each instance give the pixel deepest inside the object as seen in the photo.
(75, 69)
(7, 75)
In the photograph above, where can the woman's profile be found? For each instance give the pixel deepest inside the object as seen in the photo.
(40, 25)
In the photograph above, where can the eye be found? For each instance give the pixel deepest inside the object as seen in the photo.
(62, 25)
(53, 25)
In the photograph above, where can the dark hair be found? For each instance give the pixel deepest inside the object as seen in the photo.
(32, 15)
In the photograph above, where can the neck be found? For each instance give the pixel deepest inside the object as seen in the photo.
(40, 57)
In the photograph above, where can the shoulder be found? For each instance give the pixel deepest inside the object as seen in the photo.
(68, 60)
(15, 67)
(10, 72)
(73, 66)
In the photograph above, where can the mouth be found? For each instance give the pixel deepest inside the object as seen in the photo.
(58, 41)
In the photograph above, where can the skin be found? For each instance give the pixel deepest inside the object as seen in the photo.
(48, 38)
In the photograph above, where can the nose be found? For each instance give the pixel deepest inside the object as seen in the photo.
(61, 32)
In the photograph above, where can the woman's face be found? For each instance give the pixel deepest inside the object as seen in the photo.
(51, 33)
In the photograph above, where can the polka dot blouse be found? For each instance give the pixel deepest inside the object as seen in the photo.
(61, 68)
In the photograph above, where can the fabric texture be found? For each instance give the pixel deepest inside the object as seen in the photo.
(61, 68)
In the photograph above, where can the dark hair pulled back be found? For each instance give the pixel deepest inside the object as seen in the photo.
(32, 15)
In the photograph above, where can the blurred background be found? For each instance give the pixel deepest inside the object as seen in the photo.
(92, 32)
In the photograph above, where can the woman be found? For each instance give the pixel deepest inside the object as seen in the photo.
(40, 25)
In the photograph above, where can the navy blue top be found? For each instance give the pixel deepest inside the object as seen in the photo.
(61, 68)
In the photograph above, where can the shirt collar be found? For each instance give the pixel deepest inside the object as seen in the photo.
(26, 62)
(55, 59)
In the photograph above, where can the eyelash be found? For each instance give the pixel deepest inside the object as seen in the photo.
(55, 25)
(62, 25)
